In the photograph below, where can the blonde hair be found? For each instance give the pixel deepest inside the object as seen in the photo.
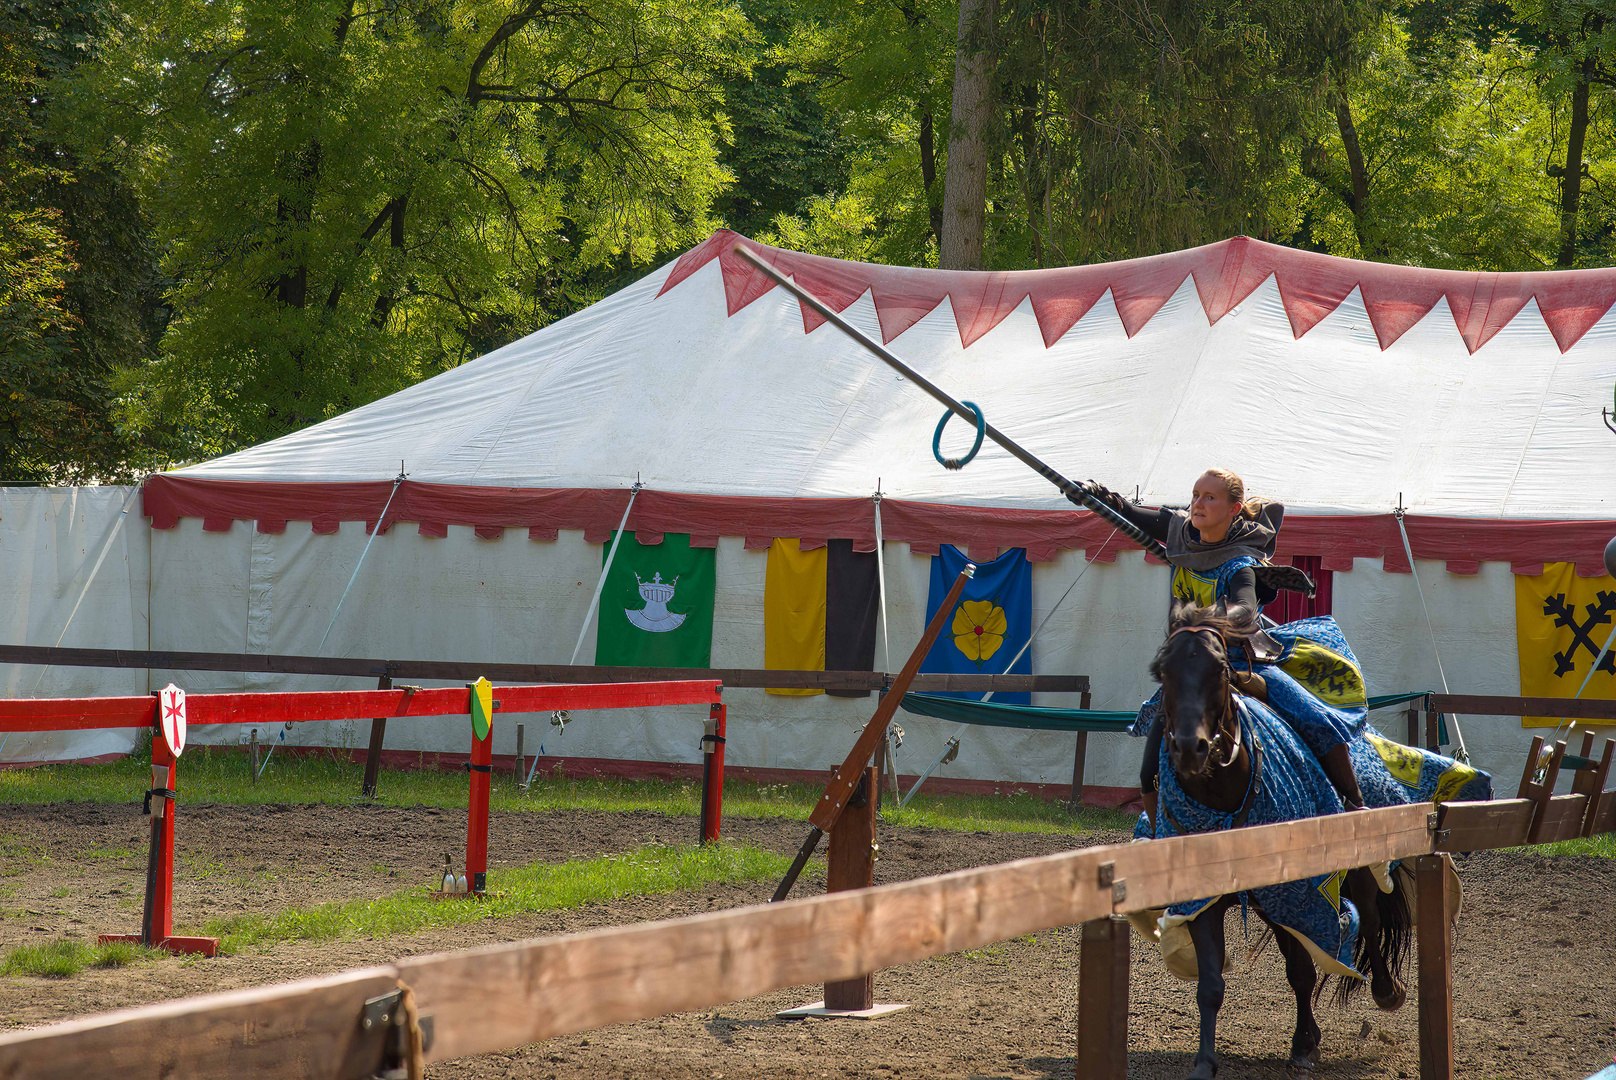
(1249, 508)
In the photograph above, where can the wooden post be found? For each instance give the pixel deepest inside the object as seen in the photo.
(1102, 1000)
(1433, 731)
(481, 768)
(880, 766)
(1080, 757)
(1435, 889)
(521, 757)
(373, 755)
(712, 774)
(1413, 726)
(255, 755)
(851, 865)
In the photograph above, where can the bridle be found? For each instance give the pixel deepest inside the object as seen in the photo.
(1227, 732)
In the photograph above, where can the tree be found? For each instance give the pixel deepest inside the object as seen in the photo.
(966, 184)
(353, 198)
(63, 326)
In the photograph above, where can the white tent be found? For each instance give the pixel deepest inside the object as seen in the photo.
(1338, 387)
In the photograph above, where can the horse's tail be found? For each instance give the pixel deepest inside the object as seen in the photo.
(1395, 937)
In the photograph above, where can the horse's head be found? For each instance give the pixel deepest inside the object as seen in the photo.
(1193, 667)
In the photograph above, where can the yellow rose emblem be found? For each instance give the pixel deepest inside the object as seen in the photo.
(979, 627)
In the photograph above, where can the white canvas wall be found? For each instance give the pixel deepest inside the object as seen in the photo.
(50, 538)
(518, 601)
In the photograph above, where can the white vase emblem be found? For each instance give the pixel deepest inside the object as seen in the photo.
(655, 616)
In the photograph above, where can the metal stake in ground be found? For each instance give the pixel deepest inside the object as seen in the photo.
(845, 778)
(1077, 493)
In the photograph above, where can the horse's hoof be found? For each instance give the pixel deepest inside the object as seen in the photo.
(1204, 1070)
(1394, 1000)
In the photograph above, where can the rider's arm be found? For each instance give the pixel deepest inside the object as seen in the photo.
(1242, 589)
(1152, 519)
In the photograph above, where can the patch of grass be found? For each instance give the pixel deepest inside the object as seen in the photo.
(646, 871)
(61, 892)
(225, 777)
(63, 958)
(1603, 845)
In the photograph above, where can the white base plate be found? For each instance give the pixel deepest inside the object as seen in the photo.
(818, 1009)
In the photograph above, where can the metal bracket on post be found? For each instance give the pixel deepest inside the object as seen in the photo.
(1109, 880)
(386, 1014)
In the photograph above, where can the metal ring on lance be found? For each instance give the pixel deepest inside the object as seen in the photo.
(937, 437)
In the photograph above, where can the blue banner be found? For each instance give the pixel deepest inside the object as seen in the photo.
(990, 624)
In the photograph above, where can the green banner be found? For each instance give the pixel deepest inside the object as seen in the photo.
(657, 607)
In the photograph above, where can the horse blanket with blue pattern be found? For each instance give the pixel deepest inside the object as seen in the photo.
(1315, 686)
(1292, 785)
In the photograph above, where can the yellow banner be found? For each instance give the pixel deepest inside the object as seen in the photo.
(1561, 623)
(794, 611)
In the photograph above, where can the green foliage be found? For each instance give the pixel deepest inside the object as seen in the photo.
(351, 200)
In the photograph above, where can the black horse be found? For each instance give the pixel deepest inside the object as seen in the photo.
(1213, 762)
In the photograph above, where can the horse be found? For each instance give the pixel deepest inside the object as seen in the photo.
(1218, 752)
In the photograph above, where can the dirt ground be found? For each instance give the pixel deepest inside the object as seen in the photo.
(1535, 979)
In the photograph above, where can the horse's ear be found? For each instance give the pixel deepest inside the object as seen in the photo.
(1221, 608)
(1176, 610)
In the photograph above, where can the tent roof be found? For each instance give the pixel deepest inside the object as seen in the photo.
(1334, 385)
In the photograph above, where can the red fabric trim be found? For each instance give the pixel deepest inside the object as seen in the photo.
(490, 532)
(1464, 567)
(1311, 286)
(1335, 539)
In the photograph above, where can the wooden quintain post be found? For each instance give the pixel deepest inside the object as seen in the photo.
(851, 865)
(1433, 880)
(1102, 1000)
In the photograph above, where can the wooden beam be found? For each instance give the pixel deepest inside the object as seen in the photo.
(1102, 1000)
(461, 670)
(1434, 889)
(1480, 826)
(1561, 819)
(850, 864)
(308, 1030)
(1485, 705)
(1164, 872)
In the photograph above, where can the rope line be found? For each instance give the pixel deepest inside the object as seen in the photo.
(1463, 754)
(600, 586)
(381, 523)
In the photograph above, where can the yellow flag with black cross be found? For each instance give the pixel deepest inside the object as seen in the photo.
(1561, 623)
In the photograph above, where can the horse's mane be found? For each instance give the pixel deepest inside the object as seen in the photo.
(1236, 629)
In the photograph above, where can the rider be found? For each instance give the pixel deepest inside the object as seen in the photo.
(1215, 549)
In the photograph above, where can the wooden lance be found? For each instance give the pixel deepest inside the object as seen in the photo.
(1077, 493)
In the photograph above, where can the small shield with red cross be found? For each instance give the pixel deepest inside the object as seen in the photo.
(171, 717)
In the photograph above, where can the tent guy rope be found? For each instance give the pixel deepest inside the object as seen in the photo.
(1463, 754)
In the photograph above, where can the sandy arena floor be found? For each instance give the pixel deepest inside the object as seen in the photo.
(1536, 960)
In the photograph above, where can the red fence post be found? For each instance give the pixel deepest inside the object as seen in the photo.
(158, 922)
(482, 767)
(712, 774)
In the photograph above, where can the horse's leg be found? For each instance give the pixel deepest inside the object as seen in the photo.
(1303, 977)
(1206, 931)
(1388, 991)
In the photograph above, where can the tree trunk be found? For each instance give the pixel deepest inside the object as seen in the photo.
(1571, 181)
(965, 182)
(928, 176)
(1358, 200)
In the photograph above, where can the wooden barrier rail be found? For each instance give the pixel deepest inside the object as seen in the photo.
(73, 714)
(500, 996)
(456, 671)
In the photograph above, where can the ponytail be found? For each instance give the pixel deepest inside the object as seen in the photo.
(1249, 508)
